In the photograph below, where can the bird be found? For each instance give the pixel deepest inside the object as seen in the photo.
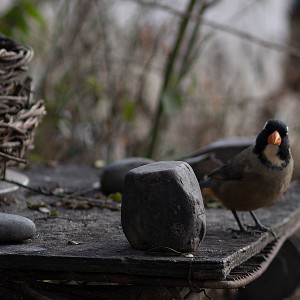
(256, 176)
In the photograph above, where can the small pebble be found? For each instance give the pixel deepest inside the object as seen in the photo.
(14, 228)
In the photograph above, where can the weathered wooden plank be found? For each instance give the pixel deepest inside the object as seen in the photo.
(103, 248)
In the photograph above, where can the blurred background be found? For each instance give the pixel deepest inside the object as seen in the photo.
(157, 78)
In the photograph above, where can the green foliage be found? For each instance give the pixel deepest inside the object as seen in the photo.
(173, 100)
(93, 85)
(53, 213)
(117, 197)
(15, 22)
(128, 110)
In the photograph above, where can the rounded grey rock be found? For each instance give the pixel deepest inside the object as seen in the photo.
(112, 178)
(162, 206)
(14, 228)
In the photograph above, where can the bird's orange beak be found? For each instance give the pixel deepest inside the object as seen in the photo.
(274, 138)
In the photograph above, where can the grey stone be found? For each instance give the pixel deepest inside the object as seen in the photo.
(224, 149)
(112, 178)
(162, 206)
(203, 164)
(216, 154)
(14, 228)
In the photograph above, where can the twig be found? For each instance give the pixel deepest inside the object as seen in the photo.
(41, 191)
(66, 218)
(89, 200)
(109, 67)
(224, 28)
(14, 158)
(168, 76)
(189, 55)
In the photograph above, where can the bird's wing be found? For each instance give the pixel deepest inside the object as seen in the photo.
(236, 168)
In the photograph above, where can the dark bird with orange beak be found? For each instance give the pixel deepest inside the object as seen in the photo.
(255, 177)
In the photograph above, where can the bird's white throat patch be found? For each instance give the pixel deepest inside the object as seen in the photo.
(270, 153)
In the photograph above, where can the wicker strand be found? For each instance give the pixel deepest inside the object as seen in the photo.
(19, 113)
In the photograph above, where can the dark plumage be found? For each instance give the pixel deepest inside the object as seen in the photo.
(257, 176)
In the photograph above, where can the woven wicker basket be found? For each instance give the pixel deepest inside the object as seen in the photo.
(19, 113)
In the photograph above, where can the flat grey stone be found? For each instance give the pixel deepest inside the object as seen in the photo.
(162, 206)
(203, 164)
(225, 149)
(14, 228)
(112, 178)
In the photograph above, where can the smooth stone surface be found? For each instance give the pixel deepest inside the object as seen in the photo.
(225, 149)
(203, 164)
(14, 228)
(216, 154)
(162, 206)
(112, 178)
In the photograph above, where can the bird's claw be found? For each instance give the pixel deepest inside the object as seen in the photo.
(261, 228)
(238, 231)
(258, 228)
(251, 230)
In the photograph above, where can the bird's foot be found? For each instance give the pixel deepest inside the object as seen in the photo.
(237, 232)
(259, 228)
(248, 230)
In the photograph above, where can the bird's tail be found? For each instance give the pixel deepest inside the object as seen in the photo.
(206, 188)
(205, 184)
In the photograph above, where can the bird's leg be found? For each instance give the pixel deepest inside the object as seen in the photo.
(242, 228)
(258, 225)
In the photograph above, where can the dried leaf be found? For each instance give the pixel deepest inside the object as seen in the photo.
(188, 255)
(74, 243)
(36, 205)
(44, 210)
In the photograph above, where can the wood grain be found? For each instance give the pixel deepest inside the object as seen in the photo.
(103, 253)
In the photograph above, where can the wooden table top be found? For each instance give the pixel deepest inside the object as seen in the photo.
(84, 238)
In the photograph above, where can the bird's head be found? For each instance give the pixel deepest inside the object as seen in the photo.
(272, 143)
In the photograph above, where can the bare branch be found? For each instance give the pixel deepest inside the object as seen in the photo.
(14, 158)
(223, 28)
